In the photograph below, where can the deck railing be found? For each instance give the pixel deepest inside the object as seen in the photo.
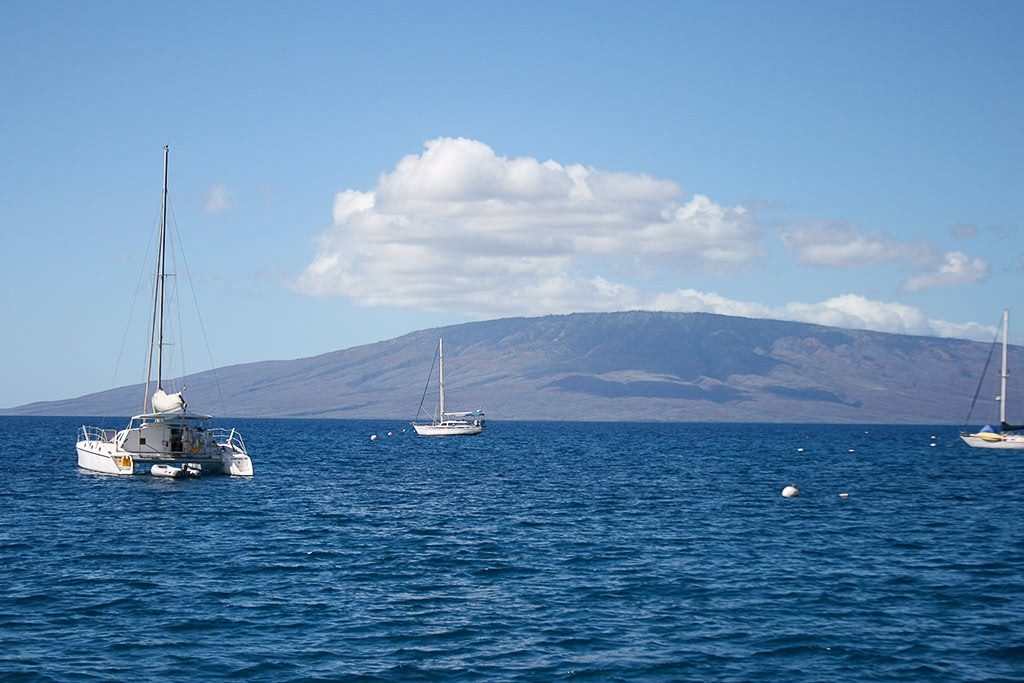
(228, 436)
(87, 433)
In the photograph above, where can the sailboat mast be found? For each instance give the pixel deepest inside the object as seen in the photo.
(162, 277)
(158, 302)
(1002, 374)
(440, 351)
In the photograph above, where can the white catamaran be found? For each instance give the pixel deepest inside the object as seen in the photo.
(450, 424)
(1009, 436)
(166, 439)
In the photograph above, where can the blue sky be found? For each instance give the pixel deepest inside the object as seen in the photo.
(342, 173)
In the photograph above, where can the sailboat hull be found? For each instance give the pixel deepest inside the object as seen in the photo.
(992, 440)
(448, 429)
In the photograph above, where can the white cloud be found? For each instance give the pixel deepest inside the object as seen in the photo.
(458, 226)
(955, 268)
(848, 311)
(839, 245)
(217, 200)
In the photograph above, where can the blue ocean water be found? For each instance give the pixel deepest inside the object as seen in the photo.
(540, 552)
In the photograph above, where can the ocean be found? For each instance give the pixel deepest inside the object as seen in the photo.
(535, 552)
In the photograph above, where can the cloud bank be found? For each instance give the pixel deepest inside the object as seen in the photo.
(849, 311)
(459, 228)
(955, 268)
(841, 245)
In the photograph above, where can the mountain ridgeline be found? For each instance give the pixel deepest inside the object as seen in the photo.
(611, 366)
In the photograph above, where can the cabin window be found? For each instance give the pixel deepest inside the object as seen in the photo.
(142, 441)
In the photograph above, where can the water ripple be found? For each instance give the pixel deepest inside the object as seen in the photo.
(536, 552)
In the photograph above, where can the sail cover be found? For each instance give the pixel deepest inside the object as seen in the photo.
(166, 403)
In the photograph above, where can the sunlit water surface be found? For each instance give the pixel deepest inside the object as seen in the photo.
(534, 552)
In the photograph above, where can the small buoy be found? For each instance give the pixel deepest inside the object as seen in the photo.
(799, 450)
(932, 445)
(373, 437)
(844, 495)
(933, 437)
(389, 433)
(850, 451)
(790, 491)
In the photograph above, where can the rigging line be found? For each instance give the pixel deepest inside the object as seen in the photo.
(152, 323)
(175, 248)
(427, 385)
(131, 310)
(199, 316)
(984, 372)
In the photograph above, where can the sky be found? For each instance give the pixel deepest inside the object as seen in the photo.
(346, 172)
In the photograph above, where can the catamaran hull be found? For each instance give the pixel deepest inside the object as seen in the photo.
(236, 464)
(96, 458)
(1005, 442)
(448, 430)
(108, 460)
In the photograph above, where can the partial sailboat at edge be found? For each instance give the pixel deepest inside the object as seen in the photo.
(165, 439)
(465, 423)
(1009, 436)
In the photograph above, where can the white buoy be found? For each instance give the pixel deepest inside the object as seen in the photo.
(844, 495)
(850, 451)
(799, 450)
(373, 437)
(932, 445)
(790, 491)
(389, 433)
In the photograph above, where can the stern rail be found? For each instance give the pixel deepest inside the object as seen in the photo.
(228, 437)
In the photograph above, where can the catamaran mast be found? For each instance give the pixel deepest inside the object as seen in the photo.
(157, 321)
(1002, 374)
(440, 351)
(162, 277)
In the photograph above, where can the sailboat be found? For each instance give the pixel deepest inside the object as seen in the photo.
(165, 439)
(449, 424)
(1009, 436)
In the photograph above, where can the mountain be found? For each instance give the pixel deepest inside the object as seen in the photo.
(607, 366)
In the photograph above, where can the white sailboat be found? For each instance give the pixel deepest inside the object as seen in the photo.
(165, 439)
(1009, 436)
(465, 423)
